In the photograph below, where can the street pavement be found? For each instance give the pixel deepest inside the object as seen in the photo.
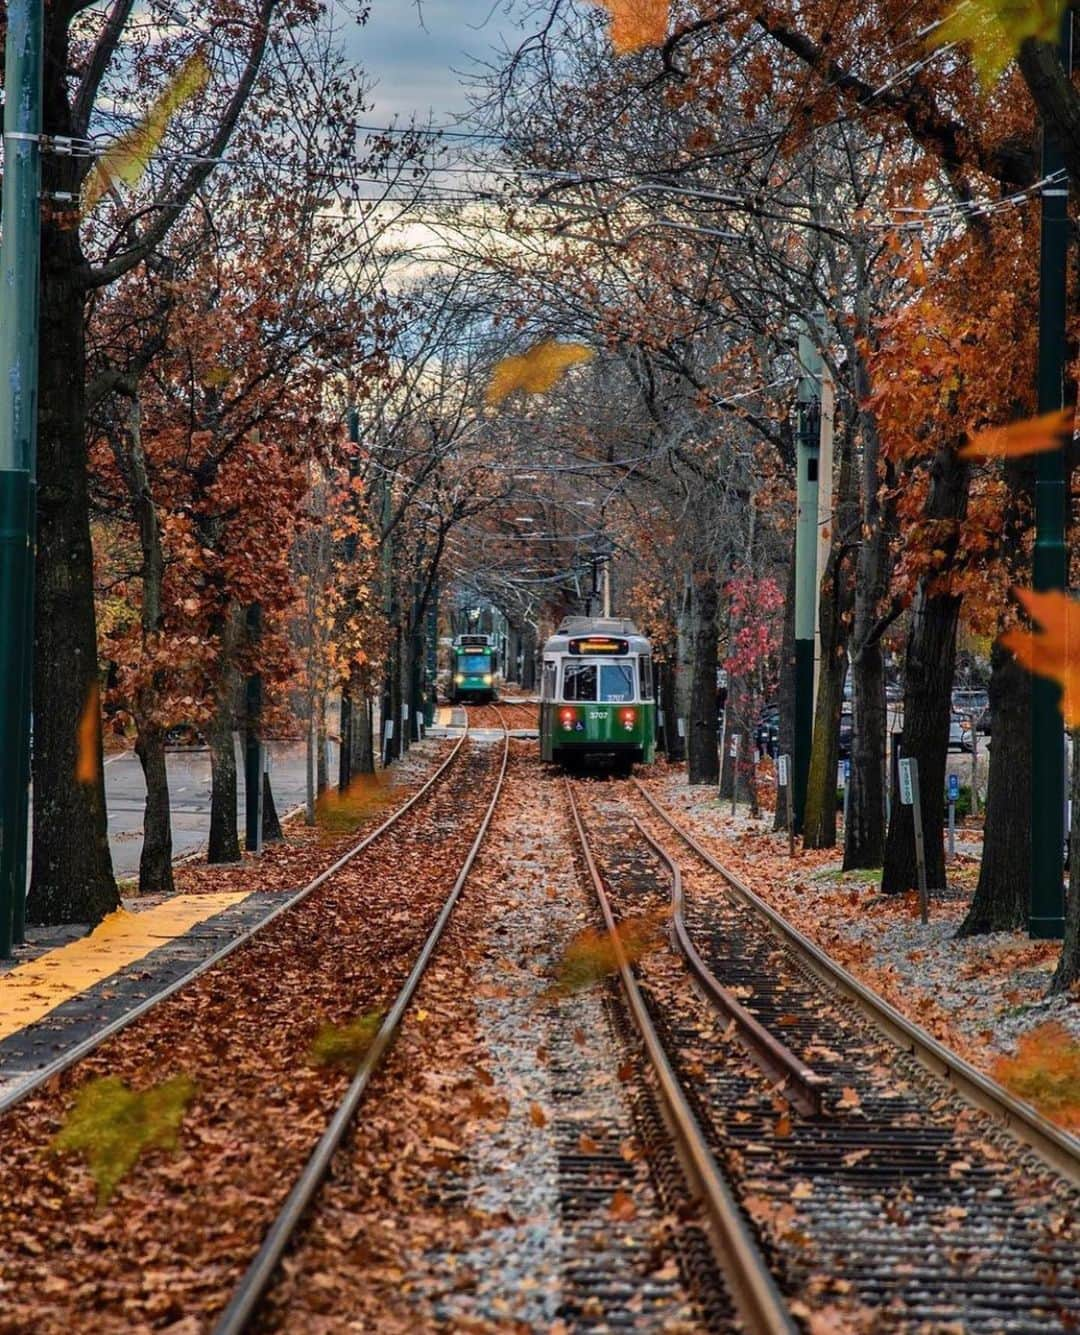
(189, 796)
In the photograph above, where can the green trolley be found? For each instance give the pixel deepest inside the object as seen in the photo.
(596, 695)
(472, 670)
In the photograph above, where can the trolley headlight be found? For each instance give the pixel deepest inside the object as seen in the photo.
(459, 677)
(629, 718)
(487, 678)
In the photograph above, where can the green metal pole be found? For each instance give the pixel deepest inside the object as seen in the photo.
(1050, 563)
(806, 485)
(20, 251)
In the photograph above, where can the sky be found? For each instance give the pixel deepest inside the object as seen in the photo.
(416, 55)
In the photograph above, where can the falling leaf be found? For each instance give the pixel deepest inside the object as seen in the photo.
(849, 1099)
(635, 24)
(1034, 435)
(1045, 1070)
(782, 1127)
(1055, 650)
(535, 371)
(622, 1207)
(127, 158)
(345, 1046)
(586, 1144)
(591, 956)
(111, 1125)
(996, 29)
(802, 1191)
(538, 1116)
(855, 1157)
(88, 738)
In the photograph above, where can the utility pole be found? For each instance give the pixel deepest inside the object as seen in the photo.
(1047, 918)
(807, 442)
(20, 260)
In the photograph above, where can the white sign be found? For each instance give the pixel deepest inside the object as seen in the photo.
(782, 771)
(388, 730)
(733, 750)
(907, 793)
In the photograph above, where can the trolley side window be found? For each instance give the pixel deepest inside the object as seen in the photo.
(547, 683)
(579, 681)
(645, 667)
(616, 682)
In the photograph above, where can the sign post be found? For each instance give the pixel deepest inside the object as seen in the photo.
(735, 739)
(909, 796)
(954, 793)
(783, 779)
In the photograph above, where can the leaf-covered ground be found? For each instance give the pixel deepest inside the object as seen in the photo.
(979, 995)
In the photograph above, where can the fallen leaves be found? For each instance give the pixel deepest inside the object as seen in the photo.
(1053, 651)
(1045, 1070)
(535, 371)
(622, 1208)
(112, 1125)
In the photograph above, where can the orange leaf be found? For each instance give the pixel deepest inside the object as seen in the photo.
(849, 1098)
(538, 1115)
(636, 23)
(1055, 650)
(86, 768)
(622, 1207)
(536, 370)
(1034, 435)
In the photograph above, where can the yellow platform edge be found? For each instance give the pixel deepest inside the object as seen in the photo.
(31, 990)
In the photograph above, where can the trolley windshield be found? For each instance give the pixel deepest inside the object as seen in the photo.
(474, 663)
(612, 683)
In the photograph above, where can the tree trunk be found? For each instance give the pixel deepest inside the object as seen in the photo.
(929, 667)
(323, 780)
(224, 843)
(1003, 893)
(864, 832)
(72, 867)
(702, 766)
(155, 861)
(345, 729)
(786, 689)
(363, 758)
(682, 674)
(271, 825)
(1067, 973)
(819, 820)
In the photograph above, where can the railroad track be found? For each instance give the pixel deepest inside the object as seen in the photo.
(243, 1031)
(513, 713)
(890, 1195)
(259, 1275)
(70, 1058)
(735, 1250)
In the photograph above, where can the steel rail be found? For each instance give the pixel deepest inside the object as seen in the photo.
(803, 1085)
(83, 1049)
(256, 1279)
(1057, 1148)
(753, 1288)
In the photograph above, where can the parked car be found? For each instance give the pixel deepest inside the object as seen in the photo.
(975, 703)
(184, 734)
(960, 738)
(767, 731)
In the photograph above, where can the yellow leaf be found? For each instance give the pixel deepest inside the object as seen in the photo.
(802, 1191)
(1054, 651)
(127, 158)
(1034, 435)
(996, 29)
(636, 24)
(535, 371)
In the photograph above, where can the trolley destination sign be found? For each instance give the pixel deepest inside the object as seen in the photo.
(598, 644)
